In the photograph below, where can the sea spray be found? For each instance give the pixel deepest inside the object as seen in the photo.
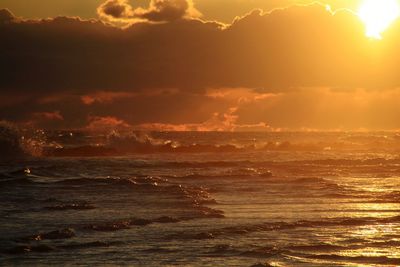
(16, 142)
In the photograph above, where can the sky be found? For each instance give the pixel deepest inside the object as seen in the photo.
(221, 10)
(226, 65)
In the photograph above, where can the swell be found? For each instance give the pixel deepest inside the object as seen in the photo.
(303, 164)
(45, 248)
(137, 147)
(320, 187)
(329, 258)
(70, 206)
(326, 247)
(279, 226)
(171, 185)
(139, 143)
(391, 197)
(147, 148)
(351, 162)
(189, 198)
(17, 181)
(154, 185)
(33, 243)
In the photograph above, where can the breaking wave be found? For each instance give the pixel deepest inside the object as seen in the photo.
(19, 143)
(16, 142)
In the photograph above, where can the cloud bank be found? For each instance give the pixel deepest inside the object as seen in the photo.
(270, 69)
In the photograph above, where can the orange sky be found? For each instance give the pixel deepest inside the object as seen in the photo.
(221, 10)
(171, 68)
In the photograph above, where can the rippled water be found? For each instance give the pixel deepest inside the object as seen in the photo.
(272, 207)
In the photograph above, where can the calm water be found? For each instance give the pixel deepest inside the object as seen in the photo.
(280, 200)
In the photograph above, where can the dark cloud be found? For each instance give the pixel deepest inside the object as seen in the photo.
(298, 46)
(6, 16)
(115, 9)
(158, 11)
(167, 10)
(89, 68)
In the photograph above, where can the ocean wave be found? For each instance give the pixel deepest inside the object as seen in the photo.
(200, 195)
(263, 252)
(45, 248)
(223, 250)
(70, 206)
(351, 245)
(391, 197)
(197, 212)
(158, 250)
(380, 260)
(68, 233)
(383, 244)
(278, 226)
(105, 151)
(21, 249)
(189, 199)
(112, 226)
(97, 182)
(18, 143)
(86, 245)
(351, 162)
(128, 223)
(195, 195)
(318, 247)
(17, 181)
(57, 234)
(261, 265)
(230, 174)
(81, 151)
(294, 165)
(15, 142)
(138, 147)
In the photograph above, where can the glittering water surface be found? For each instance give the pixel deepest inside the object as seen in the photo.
(278, 207)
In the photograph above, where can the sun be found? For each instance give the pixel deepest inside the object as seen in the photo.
(378, 15)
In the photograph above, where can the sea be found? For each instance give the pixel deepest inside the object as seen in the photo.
(199, 198)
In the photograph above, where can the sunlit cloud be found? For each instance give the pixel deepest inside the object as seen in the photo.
(107, 123)
(120, 11)
(105, 97)
(241, 95)
(226, 122)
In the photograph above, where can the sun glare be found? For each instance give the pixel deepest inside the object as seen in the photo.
(378, 15)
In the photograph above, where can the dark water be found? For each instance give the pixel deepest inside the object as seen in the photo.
(276, 199)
